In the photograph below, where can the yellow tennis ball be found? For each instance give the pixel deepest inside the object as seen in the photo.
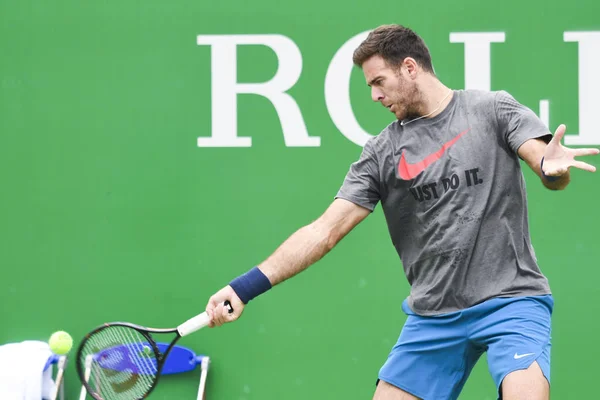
(60, 342)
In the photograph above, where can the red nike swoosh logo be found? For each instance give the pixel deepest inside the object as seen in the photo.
(411, 171)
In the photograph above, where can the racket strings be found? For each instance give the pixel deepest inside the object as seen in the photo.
(122, 363)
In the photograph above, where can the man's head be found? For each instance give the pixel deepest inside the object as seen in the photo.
(394, 60)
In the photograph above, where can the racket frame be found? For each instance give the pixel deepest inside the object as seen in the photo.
(145, 332)
(190, 326)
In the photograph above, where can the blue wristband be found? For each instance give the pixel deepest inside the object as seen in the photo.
(250, 285)
(548, 178)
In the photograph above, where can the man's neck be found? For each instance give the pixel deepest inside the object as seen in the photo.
(435, 97)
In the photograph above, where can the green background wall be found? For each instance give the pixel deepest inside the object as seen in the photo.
(110, 210)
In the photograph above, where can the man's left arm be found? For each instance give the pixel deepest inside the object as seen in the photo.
(552, 161)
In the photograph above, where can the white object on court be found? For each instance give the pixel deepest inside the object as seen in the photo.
(25, 372)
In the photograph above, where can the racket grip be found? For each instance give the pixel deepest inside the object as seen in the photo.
(193, 324)
(199, 321)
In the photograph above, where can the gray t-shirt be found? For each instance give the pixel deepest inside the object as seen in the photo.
(454, 199)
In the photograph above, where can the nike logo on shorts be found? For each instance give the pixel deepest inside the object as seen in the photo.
(410, 171)
(517, 356)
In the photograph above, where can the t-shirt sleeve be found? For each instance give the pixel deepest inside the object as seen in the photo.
(517, 122)
(361, 185)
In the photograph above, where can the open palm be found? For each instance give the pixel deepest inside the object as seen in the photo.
(558, 158)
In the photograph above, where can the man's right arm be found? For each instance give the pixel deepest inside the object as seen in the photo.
(303, 248)
(310, 243)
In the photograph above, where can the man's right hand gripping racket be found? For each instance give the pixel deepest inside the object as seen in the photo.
(121, 361)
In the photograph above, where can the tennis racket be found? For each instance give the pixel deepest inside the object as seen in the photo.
(121, 361)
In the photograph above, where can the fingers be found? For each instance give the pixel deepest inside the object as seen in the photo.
(584, 166)
(585, 152)
(210, 310)
(560, 132)
(222, 315)
(556, 171)
(218, 312)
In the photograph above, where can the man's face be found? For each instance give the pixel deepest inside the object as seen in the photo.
(390, 87)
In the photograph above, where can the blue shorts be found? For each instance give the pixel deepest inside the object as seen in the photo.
(435, 355)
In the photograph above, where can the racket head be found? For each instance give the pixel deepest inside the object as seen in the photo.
(122, 360)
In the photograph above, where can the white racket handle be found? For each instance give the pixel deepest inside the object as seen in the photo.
(193, 324)
(199, 321)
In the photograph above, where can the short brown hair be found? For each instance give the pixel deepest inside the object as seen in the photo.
(393, 43)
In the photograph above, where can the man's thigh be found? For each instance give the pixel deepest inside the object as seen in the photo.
(518, 340)
(526, 384)
(431, 360)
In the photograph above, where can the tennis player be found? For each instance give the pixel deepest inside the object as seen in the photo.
(447, 173)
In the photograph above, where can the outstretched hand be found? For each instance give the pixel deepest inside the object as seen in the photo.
(558, 158)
